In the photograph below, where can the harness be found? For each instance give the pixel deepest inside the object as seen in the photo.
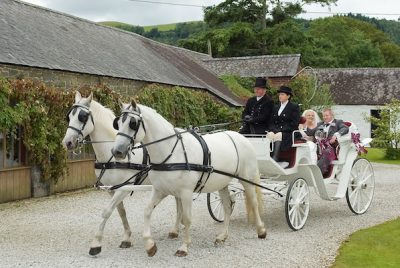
(83, 117)
(205, 168)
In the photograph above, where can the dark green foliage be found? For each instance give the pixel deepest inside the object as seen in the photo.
(241, 87)
(41, 110)
(392, 154)
(184, 107)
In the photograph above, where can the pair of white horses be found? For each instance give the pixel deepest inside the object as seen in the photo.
(230, 152)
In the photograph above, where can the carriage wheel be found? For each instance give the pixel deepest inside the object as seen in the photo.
(360, 191)
(215, 207)
(297, 204)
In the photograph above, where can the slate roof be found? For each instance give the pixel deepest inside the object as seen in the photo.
(39, 37)
(253, 66)
(361, 86)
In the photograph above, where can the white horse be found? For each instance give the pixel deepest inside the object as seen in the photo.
(88, 117)
(230, 152)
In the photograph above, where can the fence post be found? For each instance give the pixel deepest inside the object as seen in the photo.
(39, 188)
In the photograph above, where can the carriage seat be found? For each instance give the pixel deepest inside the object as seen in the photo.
(290, 155)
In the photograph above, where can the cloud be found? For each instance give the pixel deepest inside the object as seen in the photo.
(137, 13)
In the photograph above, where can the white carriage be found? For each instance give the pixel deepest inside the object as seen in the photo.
(349, 176)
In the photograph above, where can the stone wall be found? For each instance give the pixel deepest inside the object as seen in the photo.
(279, 81)
(66, 80)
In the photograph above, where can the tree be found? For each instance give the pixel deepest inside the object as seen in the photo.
(387, 130)
(255, 11)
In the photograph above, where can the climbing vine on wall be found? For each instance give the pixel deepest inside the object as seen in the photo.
(40, 110)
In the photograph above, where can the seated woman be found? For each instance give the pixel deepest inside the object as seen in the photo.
(312, 119)
(285, 119)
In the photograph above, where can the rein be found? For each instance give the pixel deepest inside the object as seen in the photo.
(206, 167)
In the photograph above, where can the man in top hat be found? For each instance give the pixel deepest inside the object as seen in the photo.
(285, 119)
(257, 112)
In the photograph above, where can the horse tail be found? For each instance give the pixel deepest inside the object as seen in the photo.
(260, 203)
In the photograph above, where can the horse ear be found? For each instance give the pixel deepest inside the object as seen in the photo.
(133, 103)
(78, 96)
(90, 98)
(121, 104)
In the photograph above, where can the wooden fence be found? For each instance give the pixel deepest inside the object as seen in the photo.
(81, 175)
(16, 183)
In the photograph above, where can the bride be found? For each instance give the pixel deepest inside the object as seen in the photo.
(312, 120)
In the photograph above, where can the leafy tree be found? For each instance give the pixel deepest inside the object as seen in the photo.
(255, 11)
(387, 130)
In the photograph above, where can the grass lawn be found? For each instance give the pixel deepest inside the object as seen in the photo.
(377, 154)
(378, 246)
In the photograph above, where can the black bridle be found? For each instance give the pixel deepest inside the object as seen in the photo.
(134, 123)
(83, 117)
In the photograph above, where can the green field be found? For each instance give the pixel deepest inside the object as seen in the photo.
(378, 246)
(377, 155)
(114, 23)
(161, 28)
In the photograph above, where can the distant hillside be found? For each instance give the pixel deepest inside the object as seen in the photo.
(390, 27)
(165, 33)
(161, 27)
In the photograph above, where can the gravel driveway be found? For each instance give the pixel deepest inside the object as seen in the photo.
(56, 231)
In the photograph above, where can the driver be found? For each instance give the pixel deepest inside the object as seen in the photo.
(258, 110)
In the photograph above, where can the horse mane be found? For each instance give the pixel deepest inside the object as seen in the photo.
(107, 116)
(152, 111)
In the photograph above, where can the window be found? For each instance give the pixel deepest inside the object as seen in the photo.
(12, 150)
(376, 114)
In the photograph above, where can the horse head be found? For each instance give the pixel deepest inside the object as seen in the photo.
(130, 128)
(80, 121)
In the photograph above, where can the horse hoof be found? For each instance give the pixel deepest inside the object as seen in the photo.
(218, 242)
(151, 252)
(94, 251)
(263, 235)
(125, 244)
(172, 235)
(181, 253)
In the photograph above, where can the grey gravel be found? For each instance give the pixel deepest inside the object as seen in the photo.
(56, 231)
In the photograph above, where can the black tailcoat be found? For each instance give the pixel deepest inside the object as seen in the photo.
(286, 122)
(260, 111)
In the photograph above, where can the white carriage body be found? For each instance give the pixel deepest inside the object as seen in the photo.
(304, 168)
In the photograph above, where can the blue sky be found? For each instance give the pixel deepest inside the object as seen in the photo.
(139, 13)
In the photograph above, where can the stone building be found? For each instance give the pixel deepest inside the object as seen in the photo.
(360, 92)
(278, 68)
(66, 51)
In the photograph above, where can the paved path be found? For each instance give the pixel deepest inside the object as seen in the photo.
(56, 231)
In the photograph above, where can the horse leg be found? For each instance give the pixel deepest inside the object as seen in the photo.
(126, 242)
(227, 204)
(149, 243)
(187, 201)
(95, 246)
(175, 231)
(251, 200)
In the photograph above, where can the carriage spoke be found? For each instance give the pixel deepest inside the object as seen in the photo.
(354, 199)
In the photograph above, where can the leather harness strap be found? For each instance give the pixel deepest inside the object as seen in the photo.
(140, 176)
(205, 167)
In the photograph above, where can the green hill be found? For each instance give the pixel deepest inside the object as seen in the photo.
(161, 27)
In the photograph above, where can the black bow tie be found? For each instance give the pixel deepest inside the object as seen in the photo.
(327, 124)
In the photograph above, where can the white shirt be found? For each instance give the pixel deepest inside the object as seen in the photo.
(326, 128)
(283, 105)
(259, 98)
